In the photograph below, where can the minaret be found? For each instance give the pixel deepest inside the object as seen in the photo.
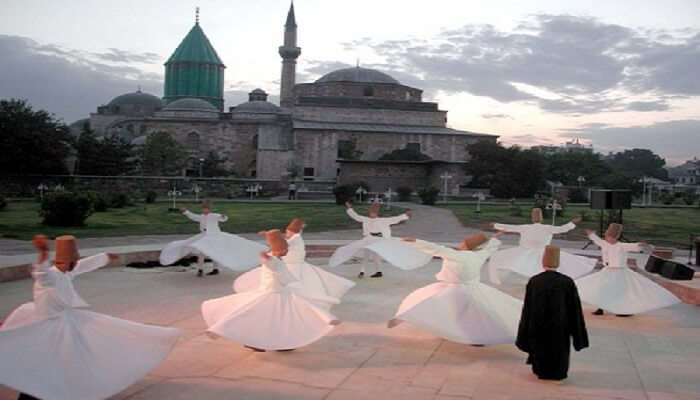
(289, 53)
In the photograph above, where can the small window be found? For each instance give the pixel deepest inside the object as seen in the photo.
(192, 141)
(368, 92)
(254, 142)
(308, 174)
(413, 146)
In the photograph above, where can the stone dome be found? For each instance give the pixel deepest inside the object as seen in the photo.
(190, 104)
(137, 98)
(257, 103)
(357, 74)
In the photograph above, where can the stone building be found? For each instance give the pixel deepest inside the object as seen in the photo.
(353, 114)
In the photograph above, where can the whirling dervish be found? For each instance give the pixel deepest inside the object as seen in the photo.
(311, 278)
(526, 258)
(228, 250)
(616, 288)
(275, 316)
(52, 348)
(459, 307)
(377, 244)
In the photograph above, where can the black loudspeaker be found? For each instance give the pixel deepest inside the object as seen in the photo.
(654, 264)
(676, 271)
(611, 199)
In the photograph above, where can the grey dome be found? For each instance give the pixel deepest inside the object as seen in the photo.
(190, 104)
(357, 74)
(257, 106)
(137, 98)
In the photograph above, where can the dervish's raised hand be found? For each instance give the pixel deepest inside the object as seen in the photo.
(497, 234)
(408, 239)
(576, 220)
(41, 243)
(492, 224)
(348, 205)
(408, 213)
(264, 256)
(262, 233)
(589, 231)
(181, 208)
(113, 257)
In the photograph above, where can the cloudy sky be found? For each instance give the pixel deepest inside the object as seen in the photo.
(617, 74)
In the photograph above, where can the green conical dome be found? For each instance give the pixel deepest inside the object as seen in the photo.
(195, 71)
(195, 47)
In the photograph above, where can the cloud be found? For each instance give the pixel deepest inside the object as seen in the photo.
(677, 140)
(587, 66)
(65, 82)
(498, 116)
(122, 56)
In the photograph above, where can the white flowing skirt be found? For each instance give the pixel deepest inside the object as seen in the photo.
(80, 354)
(313, 280)
(230, 251)
(528, 262)
(623, 291)
(394, 251)
(473, 313)
(267, 320)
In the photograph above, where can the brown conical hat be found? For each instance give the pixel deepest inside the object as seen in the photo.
(474, 241)
(614, 230)
(536, 214)
(550, 258)
(206, 204)
(374, 208)
(276, 241)
(66, 250)
(296, 225)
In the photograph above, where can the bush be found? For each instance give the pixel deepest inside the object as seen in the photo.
(100, 201)
(65, 209)
(429, 195)
(516, 211)
(404, 193)
(689, 198)
(344, 193)
(3, 202)
(120, 200)
(151, 197)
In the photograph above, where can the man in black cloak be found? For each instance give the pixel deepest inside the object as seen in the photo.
(551, 315)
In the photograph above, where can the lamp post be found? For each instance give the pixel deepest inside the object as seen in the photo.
(196, 189)
(479, 196)
(41, 189)
(581, 179)
(201, 164)
(554, 206)
(445, 177)
(388, 195)
(173, 195)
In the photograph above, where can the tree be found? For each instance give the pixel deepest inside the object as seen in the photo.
(32, 142)
(508, 172)
(162, 155)
(637, 163)
(566, 167)
(212, 165)
(110, 155)
(405, 155)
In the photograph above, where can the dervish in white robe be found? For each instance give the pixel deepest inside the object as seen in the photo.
(526, 258)
(53, 348)
(616, 288)
(311, 279)
(228, 250)
(459, 307)
(275, 316)
(378, 244)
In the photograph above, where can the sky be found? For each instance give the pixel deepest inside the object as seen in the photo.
(615, 74)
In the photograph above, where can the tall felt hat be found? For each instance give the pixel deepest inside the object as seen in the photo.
(550, 258)
(296, 225)
(276, 241)
(614, 230)
(206, 204)
(474, 241)
(66, 250)
(374, 208)
(536, 214)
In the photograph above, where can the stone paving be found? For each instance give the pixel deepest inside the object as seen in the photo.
(653, 356)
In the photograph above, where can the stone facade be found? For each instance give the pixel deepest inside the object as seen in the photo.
(381, 175)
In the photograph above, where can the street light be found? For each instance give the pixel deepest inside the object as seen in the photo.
(173, 195)
(196, 189)
(581, 181)
(445, 177)
(479, 198)
(201, 163)
(554, 206)
(388, 195)
(41, 188)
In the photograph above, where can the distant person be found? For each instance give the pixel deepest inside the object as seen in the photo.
(551, 317)
(292, 190)
(616, 288)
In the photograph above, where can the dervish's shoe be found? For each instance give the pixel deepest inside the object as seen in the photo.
(377, 274)
(255, 349)
(361, 275)
(598, 312)
(214, 271)
(623, 315)
(200, 273)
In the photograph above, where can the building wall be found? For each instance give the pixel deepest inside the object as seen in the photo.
(380, 176)
(347, 89)
(368, 115)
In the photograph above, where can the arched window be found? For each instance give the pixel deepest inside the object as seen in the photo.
(254, 142)
(192, 141)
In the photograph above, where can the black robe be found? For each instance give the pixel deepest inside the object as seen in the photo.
(551, 315)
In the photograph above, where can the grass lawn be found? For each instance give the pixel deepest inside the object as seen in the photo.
(21, 220)
(659, 226)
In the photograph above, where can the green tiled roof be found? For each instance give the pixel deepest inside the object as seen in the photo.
(195, 47)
